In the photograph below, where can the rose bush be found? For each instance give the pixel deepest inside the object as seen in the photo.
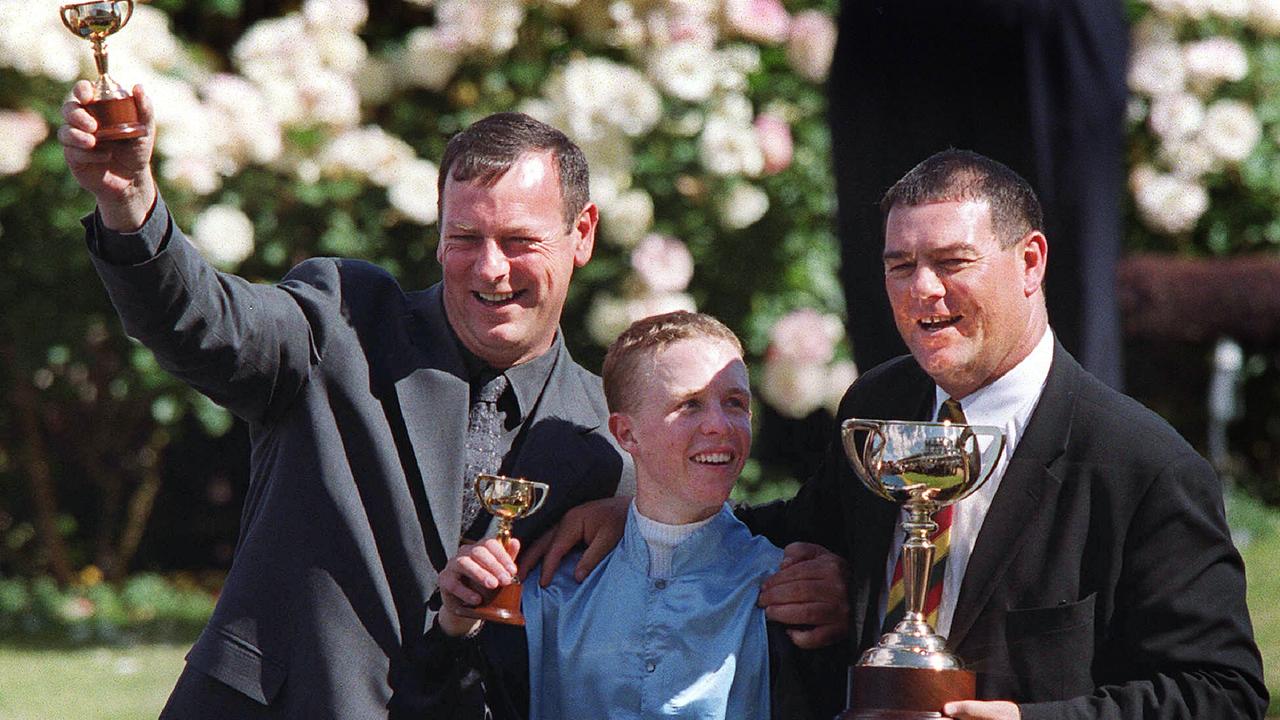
(312, 128)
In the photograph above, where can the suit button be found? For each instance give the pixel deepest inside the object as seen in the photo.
(660, 584)
(650, 666)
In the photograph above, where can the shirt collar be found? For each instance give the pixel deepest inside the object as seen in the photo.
(527, 379)
(1011, 393)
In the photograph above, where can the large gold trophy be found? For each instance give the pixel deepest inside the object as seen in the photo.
(923, 466)
(509, 499)
(112, 106)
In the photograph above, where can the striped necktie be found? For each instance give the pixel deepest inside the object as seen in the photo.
(941, 538)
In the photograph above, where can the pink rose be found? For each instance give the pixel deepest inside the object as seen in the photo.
(764, 21)
(805, 336)
(812, 44)
(773, 135)
(663, 263)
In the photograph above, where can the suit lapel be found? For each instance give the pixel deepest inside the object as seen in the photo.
(434, 398)
(1016, 505)
(555, 449)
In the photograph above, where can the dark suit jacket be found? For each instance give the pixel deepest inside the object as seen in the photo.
(1103, 584)
(357, 402)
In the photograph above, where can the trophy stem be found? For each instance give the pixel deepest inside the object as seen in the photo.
(917, 556)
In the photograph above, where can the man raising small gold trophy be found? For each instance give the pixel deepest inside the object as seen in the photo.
(112, 106)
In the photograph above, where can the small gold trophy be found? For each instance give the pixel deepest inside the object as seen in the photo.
(509, 499)
(112, 106)
(924, 466)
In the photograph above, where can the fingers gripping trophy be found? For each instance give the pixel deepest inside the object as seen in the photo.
(509, 499)
(112, 106)
(924, 466)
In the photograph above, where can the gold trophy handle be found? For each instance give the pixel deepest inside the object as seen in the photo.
(866, 458)
(128, 4)
(65, 13)
(540, 491)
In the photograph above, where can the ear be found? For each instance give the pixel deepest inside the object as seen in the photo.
(584, 234)
(1035, 256)
(621, 427)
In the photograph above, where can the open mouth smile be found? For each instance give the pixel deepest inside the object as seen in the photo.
(717, 458)
(934, 323)
(496, 299)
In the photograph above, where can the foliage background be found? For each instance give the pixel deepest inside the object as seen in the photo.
(296, 129)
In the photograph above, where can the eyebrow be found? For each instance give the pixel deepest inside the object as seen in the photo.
(941, 249)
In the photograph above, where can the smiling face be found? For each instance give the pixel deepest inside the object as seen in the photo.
(508, 257)
(689, 430)
(969, 309)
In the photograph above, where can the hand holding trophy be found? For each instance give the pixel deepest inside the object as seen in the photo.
(112, 106)
(924, 466)
(509, 499)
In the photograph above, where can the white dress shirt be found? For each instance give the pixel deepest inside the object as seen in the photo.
(1006, 403)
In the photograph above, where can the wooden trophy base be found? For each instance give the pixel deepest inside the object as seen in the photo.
(503, 608)
(117, 119)
(891, 693)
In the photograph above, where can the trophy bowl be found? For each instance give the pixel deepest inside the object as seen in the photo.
(112, 106)
(507, 499)
(923, 466)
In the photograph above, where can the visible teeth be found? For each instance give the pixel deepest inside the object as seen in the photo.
(936, 320)
(712, 458)
(496, 297)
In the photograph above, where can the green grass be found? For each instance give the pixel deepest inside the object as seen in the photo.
(128, 683)
(1262, 565)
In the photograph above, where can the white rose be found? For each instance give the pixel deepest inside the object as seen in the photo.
(1176, 115)
(366, 151)
(763, 21)
(684, 70)
(1188, 158)
(627, 218)
(341, 15)
(198, 174)
(743, 206)
(662, 263)
(730, 148)
(1231, 130)
(1264, 16)
(224, 235)
(794, 389)
(1157, 69)
(342, 52)
(658, 304)
(1214, 60)
(607, 318)
(1169, 204)
(430, 58)
(414, 192)
(1229, 9)
(20, 133)
(487, 25)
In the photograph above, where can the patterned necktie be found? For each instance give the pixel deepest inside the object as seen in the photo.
(897, 607)
(484, 427)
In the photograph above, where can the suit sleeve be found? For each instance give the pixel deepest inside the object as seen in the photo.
(248, 347)
(1182, 643)
(815, 514)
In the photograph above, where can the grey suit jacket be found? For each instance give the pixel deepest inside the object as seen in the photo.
(357, 402)
(1103, 583)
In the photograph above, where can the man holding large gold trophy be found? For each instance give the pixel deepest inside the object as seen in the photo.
(1092, 574)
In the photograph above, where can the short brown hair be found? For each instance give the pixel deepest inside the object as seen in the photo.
(486, 150)
(960, 175)
(648, 336)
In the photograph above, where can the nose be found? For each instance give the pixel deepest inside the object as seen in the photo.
(926, 284)
(491, 263)
(715, 421)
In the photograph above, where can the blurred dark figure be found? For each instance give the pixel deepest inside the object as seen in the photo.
(1038, 85)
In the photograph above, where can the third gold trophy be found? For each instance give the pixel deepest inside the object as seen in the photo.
(509, 499)
(923, 466)
(112, 106)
